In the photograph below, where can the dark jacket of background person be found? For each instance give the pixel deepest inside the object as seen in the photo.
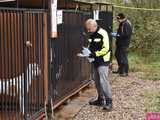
(124, 34)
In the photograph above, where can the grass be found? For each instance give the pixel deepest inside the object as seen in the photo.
(152, 101)
(150, 66)
(151, 69)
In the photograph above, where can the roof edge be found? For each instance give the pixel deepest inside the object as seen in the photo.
(104, 3)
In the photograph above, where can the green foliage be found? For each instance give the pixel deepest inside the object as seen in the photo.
(150, 68)
(152, 101)
(145, 46)
(146, 24)
(153, 71)
(136, 63)
(145, 43)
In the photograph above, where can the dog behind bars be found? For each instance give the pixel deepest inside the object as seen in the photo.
(16, 85)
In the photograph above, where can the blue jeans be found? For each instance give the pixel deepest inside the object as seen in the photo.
(100, 76)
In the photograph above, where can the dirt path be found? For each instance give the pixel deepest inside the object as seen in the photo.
(128, 100)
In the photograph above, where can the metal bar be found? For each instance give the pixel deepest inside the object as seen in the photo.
(37, 42)
(13, 55)
(13, 47)
(29, 61)
(1, 85)
(14, 52)
(9, 76)
(20, 88)
(18, 73)
(39, 57)
(34, 56)
(42, 52)
(19, 65)
(45, 55)
(5, 60)
(41, 60)
(25, 65)
(16, 59)
(2, 61)
(38, 53)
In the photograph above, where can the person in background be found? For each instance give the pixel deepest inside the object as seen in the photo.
(100, 51)
(123, 36)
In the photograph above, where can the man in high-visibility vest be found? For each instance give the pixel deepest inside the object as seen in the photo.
(100, 51)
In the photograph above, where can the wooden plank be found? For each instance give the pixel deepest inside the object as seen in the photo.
(33, 3)
(71, 94)
(7, 0)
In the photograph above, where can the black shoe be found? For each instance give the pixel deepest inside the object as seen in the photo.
(107, 105)
(115, 72)
(98, 102)
(123, 74)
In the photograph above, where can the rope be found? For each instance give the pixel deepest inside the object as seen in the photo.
(134, 8)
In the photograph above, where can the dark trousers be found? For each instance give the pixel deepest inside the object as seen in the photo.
(121, 55)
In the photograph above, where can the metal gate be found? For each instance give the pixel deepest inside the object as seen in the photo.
(68, 73)
(23, 63)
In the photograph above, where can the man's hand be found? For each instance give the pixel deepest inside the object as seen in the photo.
(92, 55)
(114, 34)
(86, 51)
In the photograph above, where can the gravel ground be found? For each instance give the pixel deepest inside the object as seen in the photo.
(128, 100)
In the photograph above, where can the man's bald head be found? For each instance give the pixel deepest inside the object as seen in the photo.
(91, 25)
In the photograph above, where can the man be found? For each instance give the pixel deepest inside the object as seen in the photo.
(123, 37)
(99, 47)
